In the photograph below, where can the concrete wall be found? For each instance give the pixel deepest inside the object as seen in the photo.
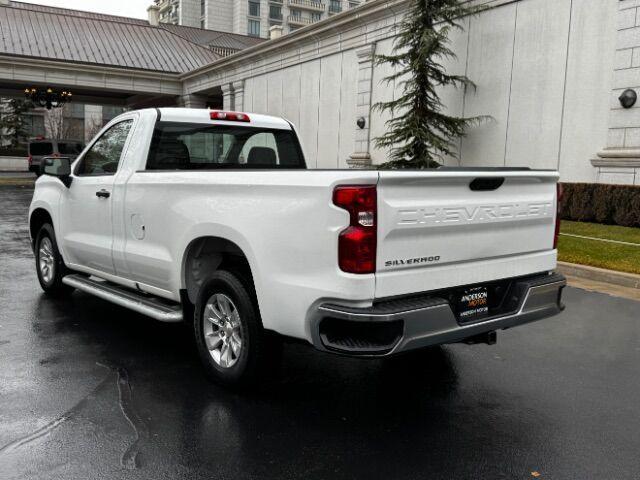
(619, 162)
(219, 16)
(543, 70)
(240, 11)
(318, 97)
(14, 164)
(232, 15)
(190, 13)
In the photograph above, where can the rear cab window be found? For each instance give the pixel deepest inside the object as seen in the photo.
(196, 146)
(39, 149)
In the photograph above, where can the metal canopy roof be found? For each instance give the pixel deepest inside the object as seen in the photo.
(212, 38)
(77, 13)
(53, 33)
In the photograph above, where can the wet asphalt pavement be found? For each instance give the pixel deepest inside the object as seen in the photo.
(90, 390)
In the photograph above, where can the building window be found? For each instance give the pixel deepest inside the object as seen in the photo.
(202, 7)
(296, 14)
(34, 125)
(75, 110)
(202, 24)
(76, 129)
(110, 112)
(275, 12)
(316, 17)
(335, 6)
(254, 28)
(254, 9)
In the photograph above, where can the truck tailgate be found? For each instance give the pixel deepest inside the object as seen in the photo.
(442, 229)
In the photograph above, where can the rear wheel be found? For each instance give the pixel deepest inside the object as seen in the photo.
(49, 264)
(232, 344)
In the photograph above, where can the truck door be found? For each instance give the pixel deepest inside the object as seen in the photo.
(86, 207)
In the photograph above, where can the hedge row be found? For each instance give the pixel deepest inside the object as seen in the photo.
(598, 203)
(13, 152)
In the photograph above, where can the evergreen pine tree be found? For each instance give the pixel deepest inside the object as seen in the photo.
(13, 125)
(419, 132)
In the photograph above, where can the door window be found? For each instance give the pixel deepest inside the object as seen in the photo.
(104, 155)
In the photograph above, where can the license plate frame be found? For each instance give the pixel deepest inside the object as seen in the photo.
(473, 304)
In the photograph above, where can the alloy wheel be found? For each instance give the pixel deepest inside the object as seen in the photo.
(222, 330)
(46, 260)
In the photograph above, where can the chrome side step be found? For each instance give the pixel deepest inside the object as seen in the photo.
(126, 298)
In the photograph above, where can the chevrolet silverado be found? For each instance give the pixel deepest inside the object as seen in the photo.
(212, 218)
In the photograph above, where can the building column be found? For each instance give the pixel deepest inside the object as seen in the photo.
(92, 121)
(619, 162)
(227, 97)
(192, 101)
(361, 157)
(238, 95)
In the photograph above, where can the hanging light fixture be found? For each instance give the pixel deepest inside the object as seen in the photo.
(48, 98)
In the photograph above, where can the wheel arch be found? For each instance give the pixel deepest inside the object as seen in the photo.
(37, 219)
(208, 253)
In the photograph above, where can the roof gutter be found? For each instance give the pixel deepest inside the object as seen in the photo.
(72, 65)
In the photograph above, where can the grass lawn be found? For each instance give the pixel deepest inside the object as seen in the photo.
(596, 253)
(17, 181)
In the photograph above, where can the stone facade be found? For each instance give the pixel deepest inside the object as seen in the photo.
(190, 13)
(233, 15)
(543, 70)
(361, 158)
(619, 162)
(548, 73)
(219, 15)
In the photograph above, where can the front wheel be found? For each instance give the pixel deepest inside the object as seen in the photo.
(230, 339)
(49, 264)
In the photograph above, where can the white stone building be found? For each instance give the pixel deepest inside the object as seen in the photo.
(544, 71)
(549, 72)
(250, 17)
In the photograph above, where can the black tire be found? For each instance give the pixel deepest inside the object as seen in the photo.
(257, 350)
(50, 280)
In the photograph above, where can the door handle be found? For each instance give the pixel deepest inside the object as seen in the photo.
(102, 194)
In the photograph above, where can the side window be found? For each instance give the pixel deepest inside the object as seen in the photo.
(104, 156)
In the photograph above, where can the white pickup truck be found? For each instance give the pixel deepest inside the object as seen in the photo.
(211, 217)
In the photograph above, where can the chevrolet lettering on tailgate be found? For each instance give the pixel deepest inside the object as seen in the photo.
(475, 214)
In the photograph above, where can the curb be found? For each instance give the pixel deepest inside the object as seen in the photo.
(621, 279)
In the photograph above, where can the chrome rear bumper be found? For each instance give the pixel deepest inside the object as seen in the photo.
(404, 324)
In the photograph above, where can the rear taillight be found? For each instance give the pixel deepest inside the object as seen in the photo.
(357, 243)
(30, 159)
(558, 206)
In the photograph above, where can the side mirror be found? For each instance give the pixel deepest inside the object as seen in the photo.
(57, 167)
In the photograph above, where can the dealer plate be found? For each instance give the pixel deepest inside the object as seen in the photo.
(473, 304)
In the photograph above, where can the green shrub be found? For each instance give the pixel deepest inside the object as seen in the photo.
(13, 152)
(598, 203)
